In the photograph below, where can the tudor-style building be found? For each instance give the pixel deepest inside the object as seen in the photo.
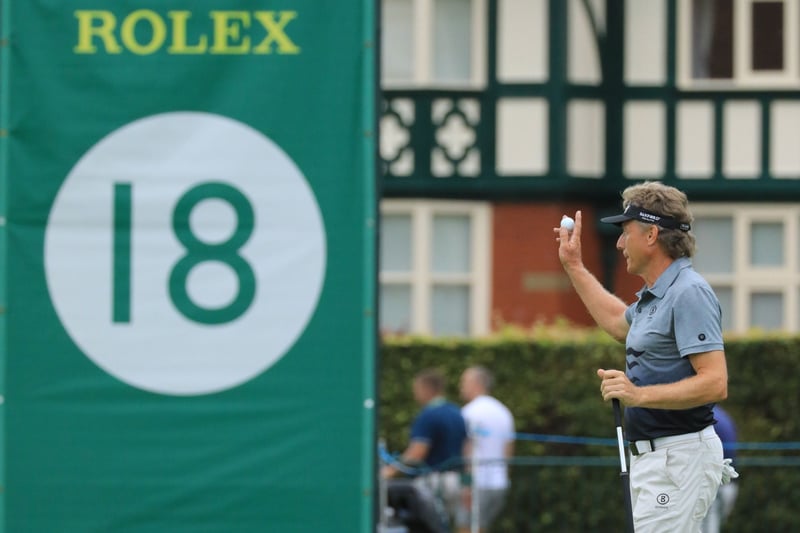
(501, 115)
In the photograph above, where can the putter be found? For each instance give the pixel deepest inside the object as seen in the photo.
(623, 468)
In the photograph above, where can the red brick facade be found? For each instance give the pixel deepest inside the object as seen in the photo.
(528, 283)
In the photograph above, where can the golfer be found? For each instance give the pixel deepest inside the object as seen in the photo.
(675, 361)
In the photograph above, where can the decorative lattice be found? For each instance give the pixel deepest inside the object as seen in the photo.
(430, 137)
(396, 151)
(455, 151)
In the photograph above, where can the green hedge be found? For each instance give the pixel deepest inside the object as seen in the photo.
(548, 381)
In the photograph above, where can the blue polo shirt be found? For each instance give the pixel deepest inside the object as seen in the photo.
(441, 425)
(678, 316)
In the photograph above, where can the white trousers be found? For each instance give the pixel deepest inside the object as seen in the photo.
(721, 508)
(673, 486)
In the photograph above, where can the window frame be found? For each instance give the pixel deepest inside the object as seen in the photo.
(423, 54)
(744, 78)
(422, 279)
(746, 279)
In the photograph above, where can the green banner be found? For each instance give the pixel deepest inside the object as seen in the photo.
(187, 227)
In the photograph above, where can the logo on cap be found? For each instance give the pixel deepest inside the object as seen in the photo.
(644, 216)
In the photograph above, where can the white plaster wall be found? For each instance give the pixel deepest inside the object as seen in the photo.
(694, 146)
(741, 148)
(785, 139)
(583, 59)
(522, 140)
(645, 42)
(522, 35)
(644, 134)
(585, 138)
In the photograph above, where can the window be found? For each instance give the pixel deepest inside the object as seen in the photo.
(739, 44)
(434, 43)
(435, 261)
(750, 254)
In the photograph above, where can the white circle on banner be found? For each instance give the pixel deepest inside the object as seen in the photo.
(153, 343)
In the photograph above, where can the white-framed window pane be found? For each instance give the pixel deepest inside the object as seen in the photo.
(396, 243)
(714, 245)
(452, 38)
(395, 308)
(766, 310)
(712, 39)
(766, 244)
(451, 244)
(795, 329)
(450, 310)
(725, 297)
(397, 50)
(798, 250)
(434, 271)
(767, 36)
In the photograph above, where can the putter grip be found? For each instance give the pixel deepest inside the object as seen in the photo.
(617, 412)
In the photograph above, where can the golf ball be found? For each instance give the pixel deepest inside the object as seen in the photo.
(567, 222)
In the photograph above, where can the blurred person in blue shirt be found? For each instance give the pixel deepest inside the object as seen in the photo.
(436, 447)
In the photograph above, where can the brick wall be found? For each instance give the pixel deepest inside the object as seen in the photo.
(529, 284)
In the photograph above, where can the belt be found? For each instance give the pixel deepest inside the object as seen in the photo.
(638, 447)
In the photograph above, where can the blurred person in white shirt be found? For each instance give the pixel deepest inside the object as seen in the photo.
(491, 431)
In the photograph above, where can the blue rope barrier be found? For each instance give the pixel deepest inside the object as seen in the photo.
(598, 441)
(565, 439)
(595, 441)
(764, 445)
